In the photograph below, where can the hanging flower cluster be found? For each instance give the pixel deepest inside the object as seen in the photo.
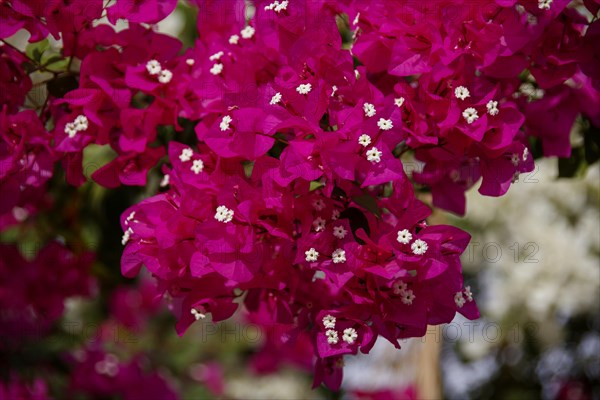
(293, 203)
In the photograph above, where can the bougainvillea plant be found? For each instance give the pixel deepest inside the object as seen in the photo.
(315, 123)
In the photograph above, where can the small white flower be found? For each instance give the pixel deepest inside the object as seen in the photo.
(224, 214)
(470, 115)
(339, 232)
(461, 93)
(81, 123)
(275, 99)
(311, 255)
(419, 247)
(165, 76)
(335, 214)
(332, 336)
(197, 314)
(525, 154)
(369, 109)
(130, 217)
(349, 335)
(224, 125)
(197, 166)
(356, 74)
(544, 4)
(385, 124)
(304, 88)
(356, 19)
(234, 39)
(186, 154)
(319, 224)
(153, 67)
(459, 299)
(165, 181)
(247, 32)
(492, 107)
(399, 287)
(277, 6)
(329, 322)
(216, 56)
(338, 256)
(407, 296)
(515, 159)
(334, 89)
(374, 155)
(190, 61)
(468, 293)
(126, 236)
(404, 236)
(216, 69)
(399, 102)
(70, 129)
(318, 204)
(364, 140)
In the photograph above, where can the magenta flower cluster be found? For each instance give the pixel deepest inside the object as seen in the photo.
(293, 204)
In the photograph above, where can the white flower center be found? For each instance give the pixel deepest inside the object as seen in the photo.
(224, 125)
(419, 247)
(470, 115)
(385, 124)
(277, 6)
(311, 255)
(335, 214)
(247, 32)
(197, 314)
(153, 67)
(374, 155)
(275, 99)
(126, 236)
(80, 124)
(186, 154)
(304, 88)
(407, 296)
(404, 236)
(339, 232)
(329, 321)
(338, 256)
(459, 299)
(349, 335)
(492, 107)
(369, 109)
(216, 56)
(544, 4)
(190, 61)
(318, 204)
(234, 39)
(197, 166)
(165, 76)
(216, 69)
(364, 140)
(332, 336)
(224, 214)
(319, 224)
(461, 93)
(399, 102)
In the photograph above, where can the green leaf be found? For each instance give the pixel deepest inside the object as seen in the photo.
(314, 185)
(55, 62)
(369, 203)
(37, 49)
